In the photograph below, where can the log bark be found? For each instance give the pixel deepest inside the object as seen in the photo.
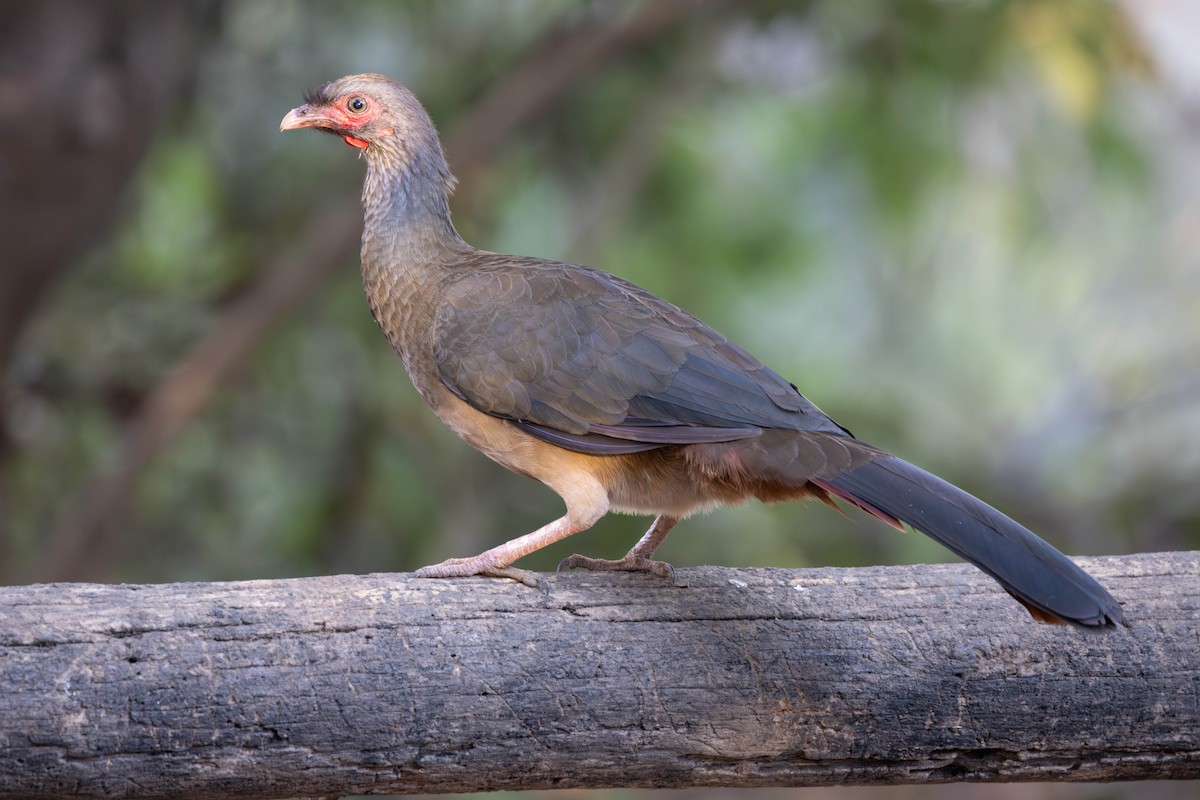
(384, 683)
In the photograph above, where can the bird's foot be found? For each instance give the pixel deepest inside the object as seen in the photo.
(464, 567)
(630, 563)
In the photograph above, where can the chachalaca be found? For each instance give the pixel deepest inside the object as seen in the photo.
(614, 398)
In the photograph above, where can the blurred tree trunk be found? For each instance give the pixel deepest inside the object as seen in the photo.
(83, 86)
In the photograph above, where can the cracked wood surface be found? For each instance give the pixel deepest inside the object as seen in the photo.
(383, 683)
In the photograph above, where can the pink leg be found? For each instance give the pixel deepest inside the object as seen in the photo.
(637, 559)
(496, 562)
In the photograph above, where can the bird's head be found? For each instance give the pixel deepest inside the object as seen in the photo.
(373, 113)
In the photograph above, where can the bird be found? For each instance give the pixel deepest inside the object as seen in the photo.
(614, 398)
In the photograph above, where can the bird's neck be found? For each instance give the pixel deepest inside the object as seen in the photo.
(406, 212)
(409, 248)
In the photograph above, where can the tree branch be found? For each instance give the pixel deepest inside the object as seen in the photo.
(383, 683)
(562, 60)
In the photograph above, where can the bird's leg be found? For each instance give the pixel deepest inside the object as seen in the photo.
(637, 559)
(496, 563)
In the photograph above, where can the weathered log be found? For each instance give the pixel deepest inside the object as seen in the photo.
(383, 683)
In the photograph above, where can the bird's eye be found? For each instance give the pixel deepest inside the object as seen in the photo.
(356, 105)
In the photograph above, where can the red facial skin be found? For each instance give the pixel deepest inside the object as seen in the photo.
(337, 117)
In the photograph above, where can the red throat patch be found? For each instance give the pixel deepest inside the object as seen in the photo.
(353, 142)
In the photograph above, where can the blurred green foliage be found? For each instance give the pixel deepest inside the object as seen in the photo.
(962, 229)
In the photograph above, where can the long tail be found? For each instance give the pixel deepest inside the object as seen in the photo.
(1045, 581)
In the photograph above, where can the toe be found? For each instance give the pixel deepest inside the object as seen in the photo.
(662, 569)
(465, 567)
(531, 579)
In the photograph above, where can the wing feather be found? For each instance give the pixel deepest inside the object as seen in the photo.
(596, 364)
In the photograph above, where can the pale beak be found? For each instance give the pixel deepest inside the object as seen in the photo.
(305, 116)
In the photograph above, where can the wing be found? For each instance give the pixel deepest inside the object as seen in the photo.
(596, 364)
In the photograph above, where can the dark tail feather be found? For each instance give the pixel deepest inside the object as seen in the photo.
(1045, 581)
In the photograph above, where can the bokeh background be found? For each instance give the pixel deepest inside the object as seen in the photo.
(969, 231)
